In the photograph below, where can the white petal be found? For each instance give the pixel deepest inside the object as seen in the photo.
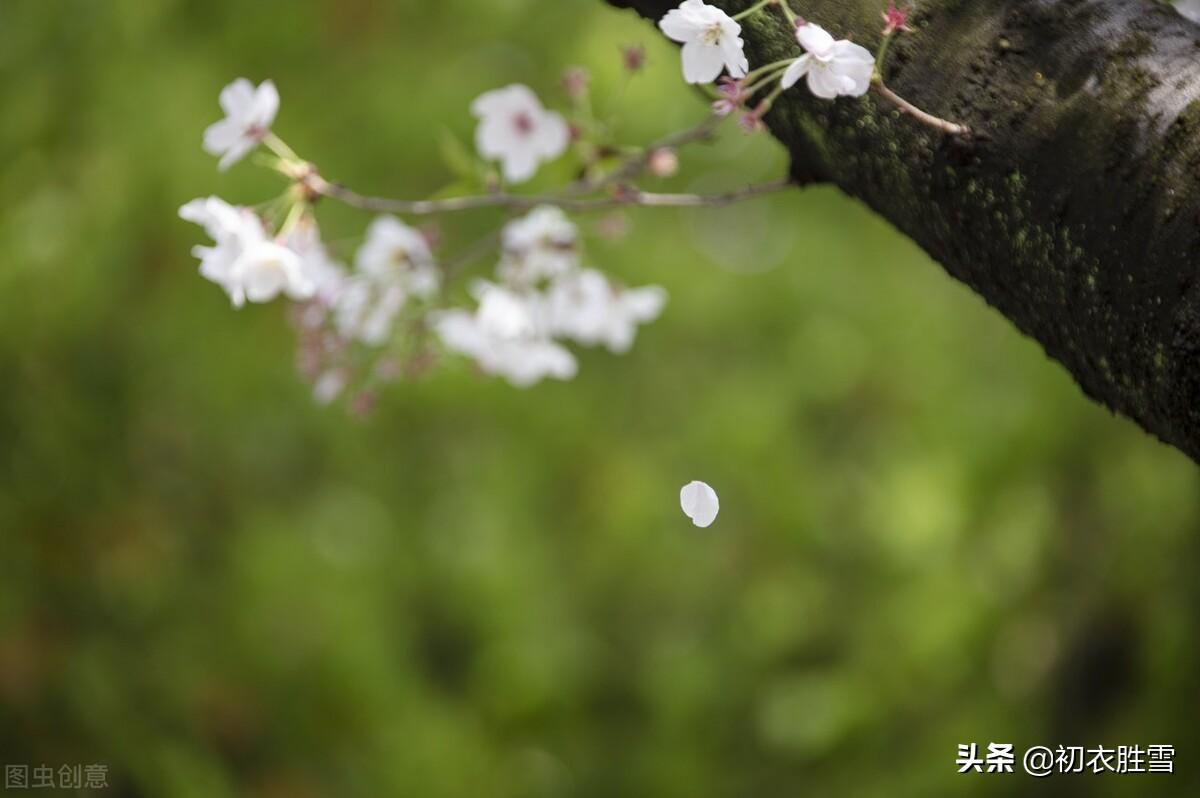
(266, 104)
(236, 152)
(681, 24)
(644, 304)
(823, 82)
(237, 99)
(509, 99)
(797, 70)
(815, 39)
(221, 136)
(702, 63)
(856, 63)
(735, 56)
(519, 164)
(552, 137)
(699, 503)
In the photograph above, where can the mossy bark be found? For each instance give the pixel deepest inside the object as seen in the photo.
(1075, 212)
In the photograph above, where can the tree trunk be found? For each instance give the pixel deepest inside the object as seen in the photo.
(1075, 211)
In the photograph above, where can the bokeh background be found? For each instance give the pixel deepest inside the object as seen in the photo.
(217, 588)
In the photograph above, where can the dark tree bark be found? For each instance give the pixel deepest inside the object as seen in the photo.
(1075, 211)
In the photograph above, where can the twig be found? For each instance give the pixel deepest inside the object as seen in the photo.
(925, 118)
(621, 196)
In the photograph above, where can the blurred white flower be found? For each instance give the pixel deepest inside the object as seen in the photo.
(266, 269)
(515, 129)
(539, 246)
(699, 503)
(395, 251)
(329, 386)
(393, 265)
(246, 262)
(1189, 9)
(367, 309)
(585, 307)
(234, 230)
(328, 275)
(504, 338)
(710, 38)
(249, 113)
(834, 68)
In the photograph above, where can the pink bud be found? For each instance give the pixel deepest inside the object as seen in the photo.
(895, 19)
(633, 57)
(363, 404)
(663, 162)
(576, 81)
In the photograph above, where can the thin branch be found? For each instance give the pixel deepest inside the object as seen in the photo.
(621, 196)
(307, 176)
(925, 118)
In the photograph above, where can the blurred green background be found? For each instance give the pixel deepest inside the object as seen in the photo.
(215, 587)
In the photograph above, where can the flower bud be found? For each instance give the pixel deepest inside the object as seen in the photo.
(663, 162)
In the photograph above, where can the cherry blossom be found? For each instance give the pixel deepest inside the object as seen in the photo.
(516, 130)
(327, 274)
(834, 68)
(366, 309)
(393, 265)
(267, 269)
(539, 246)
(710, 38)
(249, 113)
(393, 250)
(585, 307)
(232, 229)
(699, 503)
(504, 338)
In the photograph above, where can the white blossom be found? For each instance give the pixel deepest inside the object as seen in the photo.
(330, 385)
(504, 337)
(539, 246)
(267, 269)
(834, 68)
(367, 309)
(393, 250)
(516, 130)
(585, 307)
(249, 113)
(1189, 9)
(232, 229)
(699, 503)
(393, 265)
(710, 38)
(327, 275)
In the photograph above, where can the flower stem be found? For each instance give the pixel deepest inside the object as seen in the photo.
(881, 56)
(754, 9)
(924, 117)
(754, 73)
(279, 147)
(768, 79)
(788, 12)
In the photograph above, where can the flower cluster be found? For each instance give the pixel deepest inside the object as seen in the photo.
(545, 296)
(364, 320)
(831, 67)
(712, 44)
(388, 309)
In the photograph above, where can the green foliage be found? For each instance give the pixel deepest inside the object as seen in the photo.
(928, 535)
